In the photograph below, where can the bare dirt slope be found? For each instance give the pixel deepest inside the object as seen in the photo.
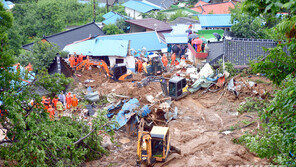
(199, 130)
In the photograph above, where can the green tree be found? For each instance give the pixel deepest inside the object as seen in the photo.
(276, 137)
(246, 26)
(123, 25)
(179, 13)
(32, 139)
(42, 55)
(156, 15)
(5, 24)
(112, 29)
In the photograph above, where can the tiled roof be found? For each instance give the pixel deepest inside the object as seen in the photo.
(151, 23)
(215, 20)
(149, 40)
(184, 20)
(66, 37)
(98, 47)
(219, 8)
(164, 4)
(140, 6)
(200, 3)
(215, 50)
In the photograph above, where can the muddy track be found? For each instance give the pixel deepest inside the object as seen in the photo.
(197, 132)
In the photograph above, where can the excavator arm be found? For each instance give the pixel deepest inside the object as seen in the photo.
(103, 65)
(161, 80)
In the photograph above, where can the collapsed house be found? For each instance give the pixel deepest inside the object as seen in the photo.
(111, 51)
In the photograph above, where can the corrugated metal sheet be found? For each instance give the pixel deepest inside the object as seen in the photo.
(215, 20)
(108, 15)
(113, 19)
(99, 47)
(176, 38)
(148, 40)
(140, 6)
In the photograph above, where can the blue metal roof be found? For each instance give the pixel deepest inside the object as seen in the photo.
(175, 38)
(108, 15)
(140, 6)
(4, 4)
(148, 40)
(215, 20)
(99, 47)
(113, 19)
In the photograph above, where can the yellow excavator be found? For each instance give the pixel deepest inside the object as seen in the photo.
(153, 146)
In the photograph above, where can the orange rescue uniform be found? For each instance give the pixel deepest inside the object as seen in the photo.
(74, 101)
(51, 112)
(72, 61)
(173, 59)
(69, 100)
(54, 101)
(164, 60)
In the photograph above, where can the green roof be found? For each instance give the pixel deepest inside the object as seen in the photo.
(208, 34)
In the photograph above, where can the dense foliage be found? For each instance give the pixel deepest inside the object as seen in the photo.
(276, 138)
(156, 15)
(32, 138)
(179, 13)
(246, 26)
(111, 29)
(35, 19)
(41, 55)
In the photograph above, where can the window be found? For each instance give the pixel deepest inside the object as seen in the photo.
(119, 61)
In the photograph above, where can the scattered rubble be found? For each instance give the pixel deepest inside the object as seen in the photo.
(196, 122)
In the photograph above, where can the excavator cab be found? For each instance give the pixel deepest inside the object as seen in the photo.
(120, 70)
(177, 87)
(154, 146)
(155, 66)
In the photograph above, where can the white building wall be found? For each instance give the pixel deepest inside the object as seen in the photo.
(132, 13)
(129, 61)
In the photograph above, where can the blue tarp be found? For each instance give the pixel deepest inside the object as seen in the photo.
(125, 113)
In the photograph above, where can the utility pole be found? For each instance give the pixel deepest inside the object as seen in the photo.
(107, 4)
(94, 11)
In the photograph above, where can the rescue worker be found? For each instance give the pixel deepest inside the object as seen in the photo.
(51, 112)
(145, 67)
(54, 101)
(62, 98)
(72, 61)
(140, 65)
(74, 102)
(45, 102)
(68, 101)
(29, 67)
(164, 60)
(80, 58)
(60, 108)
(173, 58)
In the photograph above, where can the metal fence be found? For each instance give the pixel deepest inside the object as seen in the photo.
(240, 51)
